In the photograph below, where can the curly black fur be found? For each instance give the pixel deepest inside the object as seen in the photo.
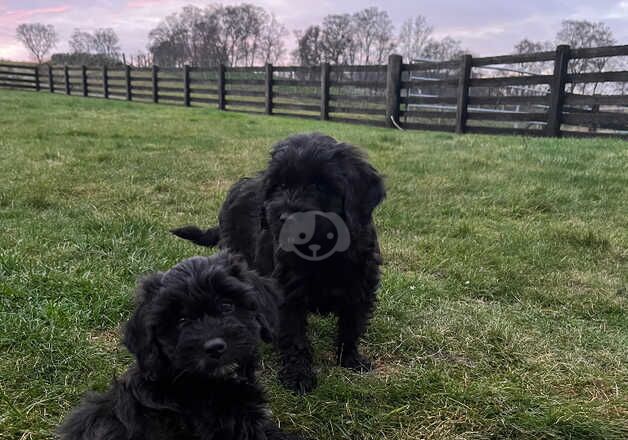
(195, 334)
(310, 172)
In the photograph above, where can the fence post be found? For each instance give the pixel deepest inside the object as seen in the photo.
(186, 85)
(84, 78)
(268, 89)
(105, 82)
(51, 79)
(393, 90)
(37, 83)
(66, 75)
(221, 87)
(129, 95)
(595, 108)
(324, 91)
(155, 80)
(557, 98)
(463, 94)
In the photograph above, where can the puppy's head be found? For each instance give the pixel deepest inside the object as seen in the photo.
(313, 173)
(204, 317)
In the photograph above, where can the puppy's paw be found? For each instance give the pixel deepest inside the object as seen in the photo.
(301, 380)
(356, 362)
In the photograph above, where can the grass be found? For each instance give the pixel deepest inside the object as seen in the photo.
(502, 310)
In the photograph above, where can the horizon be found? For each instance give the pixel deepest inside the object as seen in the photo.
(490, 30)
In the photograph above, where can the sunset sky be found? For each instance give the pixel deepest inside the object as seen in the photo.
(484, 27)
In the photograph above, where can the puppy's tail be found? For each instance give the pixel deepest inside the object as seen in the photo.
(208, 238)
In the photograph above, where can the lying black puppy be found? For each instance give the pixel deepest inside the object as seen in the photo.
(307, 220)
(195, 333)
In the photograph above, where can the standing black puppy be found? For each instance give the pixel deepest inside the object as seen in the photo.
(195, 334)
(307, 220)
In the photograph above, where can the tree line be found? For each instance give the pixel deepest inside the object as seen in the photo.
(241, 35)
(248, 35)
(368, 37)
(577, 33)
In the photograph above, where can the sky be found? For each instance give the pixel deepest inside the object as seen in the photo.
(489, 27)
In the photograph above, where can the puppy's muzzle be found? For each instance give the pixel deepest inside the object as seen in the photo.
(215, 347)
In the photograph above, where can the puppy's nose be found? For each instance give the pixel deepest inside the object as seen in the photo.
(314, 248)
(215, 347)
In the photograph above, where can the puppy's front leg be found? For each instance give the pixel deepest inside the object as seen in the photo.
(352, 322)
(296, 371)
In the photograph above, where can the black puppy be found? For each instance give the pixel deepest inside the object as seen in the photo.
(307, 221)
(195, 333)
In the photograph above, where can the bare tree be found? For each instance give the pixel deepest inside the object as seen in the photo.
(414, 35)
(309, 51)
(234, 35)
(169, 42)
(193, 31)
(373, 36)
(106, 42)
(337, 38)
(580, 34)
(167, 54)
(206, 49)
(527, 46)
(100, 47)
(583, 33)
(141, 60)
(249, 21)
(272, 47)
(362, 38)
(367, 37)
(442, 50)
(81, 42)
(38, 38)
(241, 28)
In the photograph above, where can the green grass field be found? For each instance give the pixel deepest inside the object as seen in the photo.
(502, 309)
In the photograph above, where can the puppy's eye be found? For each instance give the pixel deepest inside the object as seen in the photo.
(226, 307)
(183, 322)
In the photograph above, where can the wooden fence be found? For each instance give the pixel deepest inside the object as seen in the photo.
(454, 96)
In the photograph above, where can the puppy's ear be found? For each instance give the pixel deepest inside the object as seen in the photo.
(139, 335)
(148, 287)
(366, 191)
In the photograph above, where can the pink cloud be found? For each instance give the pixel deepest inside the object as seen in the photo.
(136, 4)
(24, 14)
(27, 13)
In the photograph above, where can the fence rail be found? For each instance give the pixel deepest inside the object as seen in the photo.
(453, 96)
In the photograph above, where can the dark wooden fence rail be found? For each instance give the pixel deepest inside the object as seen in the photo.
(455, 96)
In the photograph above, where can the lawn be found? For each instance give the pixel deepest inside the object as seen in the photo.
(502, 309)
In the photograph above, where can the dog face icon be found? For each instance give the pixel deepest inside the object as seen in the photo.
(314, 235)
